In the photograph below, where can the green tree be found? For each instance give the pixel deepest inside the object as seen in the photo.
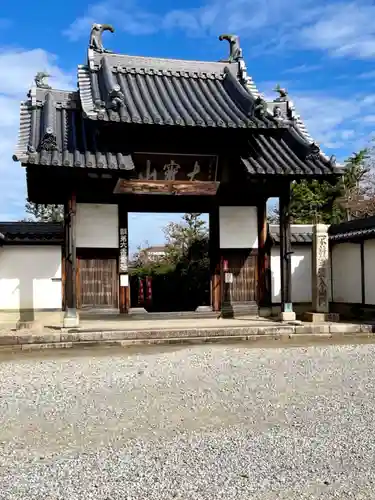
(180, 236)
(43, 213)
(357, 188)
(352, 195)
(181, 280)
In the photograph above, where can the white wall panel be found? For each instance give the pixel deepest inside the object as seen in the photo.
(97, 226)
(238, 227)
(369, 254)
(301, 274)
(346, 273)
(30, 277)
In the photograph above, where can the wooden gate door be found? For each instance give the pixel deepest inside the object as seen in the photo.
(97, 283)
(243, 266)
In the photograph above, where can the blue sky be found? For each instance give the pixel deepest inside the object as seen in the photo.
(322, 51)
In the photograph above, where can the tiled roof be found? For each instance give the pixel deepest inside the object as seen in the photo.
(54, 132)
(281, 153)
(32, 232)
(353, 230)
(167, 92)
(299, 234)
(62, 128)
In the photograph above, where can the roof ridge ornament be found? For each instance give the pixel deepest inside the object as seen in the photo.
(235, 53)
(39, 80)
(96, 42)
(283, 94)
(313, 152)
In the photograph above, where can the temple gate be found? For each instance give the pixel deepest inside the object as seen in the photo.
(164, 135)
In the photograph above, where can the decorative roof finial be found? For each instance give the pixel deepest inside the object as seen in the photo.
(39, 80)
(283, 94)
(96, 42)
(235, 53)
(313, 152)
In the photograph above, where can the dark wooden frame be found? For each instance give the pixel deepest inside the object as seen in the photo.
(285, 248)
(214, 254)
(94, 253)
(224, 255)
(70, 256)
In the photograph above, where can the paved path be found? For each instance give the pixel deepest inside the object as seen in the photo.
(207, 422)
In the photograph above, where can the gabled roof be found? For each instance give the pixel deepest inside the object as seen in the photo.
(166, 92)
(61, 128)
(32, 232)
(53, 132)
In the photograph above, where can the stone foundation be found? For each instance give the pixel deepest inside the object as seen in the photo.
(46, 318)
(313, 317)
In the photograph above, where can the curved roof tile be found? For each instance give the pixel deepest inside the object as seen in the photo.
(166, 92)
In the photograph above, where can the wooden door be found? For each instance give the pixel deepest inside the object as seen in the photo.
(243, 266)
(97, 283)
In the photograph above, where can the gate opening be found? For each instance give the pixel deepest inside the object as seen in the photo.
(169, 265)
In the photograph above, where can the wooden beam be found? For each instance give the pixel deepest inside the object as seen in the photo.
(263, 257)
(195, 188)
(214, 251)
(285, 250)
(70, 255)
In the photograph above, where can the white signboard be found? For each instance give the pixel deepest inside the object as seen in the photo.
(228, 277)
(124, 280)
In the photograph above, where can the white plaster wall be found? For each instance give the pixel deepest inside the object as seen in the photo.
(97, 226)
(238, 227)
(26, 274)
(301, 274)
(346, 273)
(369, 254)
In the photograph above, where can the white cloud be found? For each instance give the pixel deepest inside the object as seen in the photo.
(336, 123)
(369, 119)
(344, 29)
(125, 16)
(246, 17)
(21, 66)
(367, 75)
(304, 68)
(338, 28)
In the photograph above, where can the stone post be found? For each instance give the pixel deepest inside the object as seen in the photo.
(320, 276)
(320, 269)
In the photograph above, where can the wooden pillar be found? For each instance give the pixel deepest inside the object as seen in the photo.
(286, 254)
(264, 297)
(124, 284)
(70, 254)
(214, 249)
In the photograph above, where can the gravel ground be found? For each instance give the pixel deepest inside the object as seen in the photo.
(206, 422)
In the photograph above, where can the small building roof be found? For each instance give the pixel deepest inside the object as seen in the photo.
(358, 229)
(155, 248)
(300, 233)
(32, 232)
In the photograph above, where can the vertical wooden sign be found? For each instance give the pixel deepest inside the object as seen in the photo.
(124, 290)
(124, 260)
